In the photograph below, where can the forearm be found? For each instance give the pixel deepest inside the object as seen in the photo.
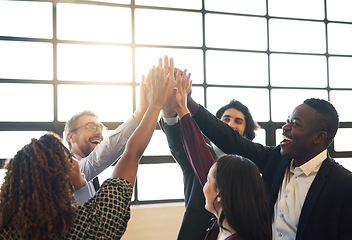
(196, 149)
(126, 167)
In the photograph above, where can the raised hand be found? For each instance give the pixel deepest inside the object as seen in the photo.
(184, 86)
(159, 82)
(143, 99)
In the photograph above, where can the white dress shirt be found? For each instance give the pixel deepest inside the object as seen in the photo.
(294, 188)
(103, 155)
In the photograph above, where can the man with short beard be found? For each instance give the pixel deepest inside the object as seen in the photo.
(83, 133)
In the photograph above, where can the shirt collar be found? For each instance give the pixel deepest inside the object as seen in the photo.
(311, 166)
(76, 156)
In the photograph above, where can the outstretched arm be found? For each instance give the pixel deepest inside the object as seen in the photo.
(195, 147)
(126, 167)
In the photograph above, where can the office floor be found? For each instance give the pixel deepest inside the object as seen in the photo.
(153, 222)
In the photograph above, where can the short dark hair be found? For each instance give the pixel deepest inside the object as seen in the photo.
(251, 125)
(243, 197)
(329, 116)
(71, 123)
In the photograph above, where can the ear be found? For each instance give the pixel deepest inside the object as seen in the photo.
(218, 200)
(321, 137)
(70, 137)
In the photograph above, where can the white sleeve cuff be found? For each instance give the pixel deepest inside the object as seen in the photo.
(171, 121)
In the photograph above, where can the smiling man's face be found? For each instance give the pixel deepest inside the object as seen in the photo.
(300, 134)
(83, 140)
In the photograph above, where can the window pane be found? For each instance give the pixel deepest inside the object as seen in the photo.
(339, 100)
(237, 68)
(107, 174)
(158, 145)
(257, 100)
(287, 70)
(12, 141)
(17, 21)
(26, 102)
(26, 60)
(297, 36)
(194, 4)
(340, 38)
(260, 136)
(189, 59)
(339, 10)
(283, 101)
(312, 9)
(99, 63)
(110, 103)
(278, 135)
(198, 94)
(113, 1)
(342, 140)
(340, 72)
(257, 7)
(345, 162)
(151, 30)
(245, 32)
(84, 22)
(154, 181)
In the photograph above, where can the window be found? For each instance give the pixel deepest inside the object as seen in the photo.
(269, 54)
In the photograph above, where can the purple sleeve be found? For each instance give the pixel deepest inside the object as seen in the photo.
(196, 148)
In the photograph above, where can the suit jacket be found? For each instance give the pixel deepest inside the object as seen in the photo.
(327, 209)
(196, 219)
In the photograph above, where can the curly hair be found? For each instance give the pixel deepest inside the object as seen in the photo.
(36, 198)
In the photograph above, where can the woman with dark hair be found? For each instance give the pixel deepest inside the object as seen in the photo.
(233, 188)
(36, 198)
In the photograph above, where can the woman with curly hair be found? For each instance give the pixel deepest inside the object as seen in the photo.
(37, 200)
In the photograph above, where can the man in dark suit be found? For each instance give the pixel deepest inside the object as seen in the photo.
(309, 193)
(197, 219)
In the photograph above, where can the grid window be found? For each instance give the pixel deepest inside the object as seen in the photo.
(110, 103)
(237, 68)
(26, 60)
(283, 101)
(245, 32)
(289, 70)
(340, 72)
(159, 27)
(153, 177)
(190, 59)
(83, 62)
(186, 4)
(339, 10)
(59, 58)
(339, 98)
(26, 102)
(313, 9)
(340, 38)
(341, 140)
(257, 7)
(17, 139)
(36, 23)
(84, 22)
(297, 36)
(218, 97)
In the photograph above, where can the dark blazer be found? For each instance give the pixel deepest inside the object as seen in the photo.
(196, 218)
(327, 209)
